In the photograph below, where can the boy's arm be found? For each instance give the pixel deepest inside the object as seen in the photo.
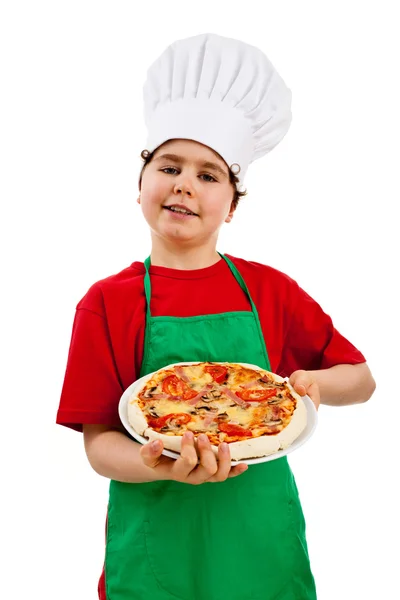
(113, 455)
(337, 386)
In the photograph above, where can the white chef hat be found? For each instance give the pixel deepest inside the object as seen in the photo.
(220, 92)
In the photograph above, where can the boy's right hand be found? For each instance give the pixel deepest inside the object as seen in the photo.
(187, 468)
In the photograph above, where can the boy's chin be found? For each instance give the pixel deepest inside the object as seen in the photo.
(179, 236)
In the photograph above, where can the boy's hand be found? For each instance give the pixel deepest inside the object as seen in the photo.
(304, 383)
(186, 468)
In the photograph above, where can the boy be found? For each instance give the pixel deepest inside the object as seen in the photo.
(212, 105)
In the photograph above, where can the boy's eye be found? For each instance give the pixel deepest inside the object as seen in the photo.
(207, 175)
(166, 169)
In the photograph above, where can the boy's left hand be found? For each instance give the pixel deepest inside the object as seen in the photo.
(304, 383)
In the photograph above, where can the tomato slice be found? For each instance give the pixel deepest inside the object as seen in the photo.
(188, 393)
(234, 430)
(217, 372)
(175, 387)
(179, 418)
(256, 395)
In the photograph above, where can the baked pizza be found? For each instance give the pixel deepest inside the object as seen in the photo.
(255, 411)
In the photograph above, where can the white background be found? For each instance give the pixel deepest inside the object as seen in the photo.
(321, 207)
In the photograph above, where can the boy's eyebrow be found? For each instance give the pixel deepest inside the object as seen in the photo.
(180, 159)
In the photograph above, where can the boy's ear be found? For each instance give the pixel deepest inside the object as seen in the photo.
(231, 212)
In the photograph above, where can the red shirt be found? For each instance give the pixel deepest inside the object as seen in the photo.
(106, 348)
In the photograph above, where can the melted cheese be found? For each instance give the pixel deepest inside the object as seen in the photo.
(199, 379)
(239, 415)
(166, 407)
(198, 424)
(244, 375)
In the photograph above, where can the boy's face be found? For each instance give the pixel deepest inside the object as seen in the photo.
(183, 180)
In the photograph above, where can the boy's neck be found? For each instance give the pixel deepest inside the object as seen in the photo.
(186, 259)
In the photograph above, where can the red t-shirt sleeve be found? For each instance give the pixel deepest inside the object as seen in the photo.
(312, 342)
(92, 387)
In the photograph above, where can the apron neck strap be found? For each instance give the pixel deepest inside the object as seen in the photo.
(147, 284)
(240, 280)
(235, 273)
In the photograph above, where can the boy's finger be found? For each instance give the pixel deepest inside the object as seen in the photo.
(313, 392)
(151, 453)
(238, 470)
(300, 387)
(224, 463)
(188, 459)
(300, 380)
(208, 466)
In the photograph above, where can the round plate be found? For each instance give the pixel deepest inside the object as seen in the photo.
(312, 420)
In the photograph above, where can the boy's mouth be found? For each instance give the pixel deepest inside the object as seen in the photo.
(180, 209)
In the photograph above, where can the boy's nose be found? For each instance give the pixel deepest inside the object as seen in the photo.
(183, 189)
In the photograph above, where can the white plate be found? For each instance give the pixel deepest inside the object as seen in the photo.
(312, 420)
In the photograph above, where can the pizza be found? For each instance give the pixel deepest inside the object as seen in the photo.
(255, 411)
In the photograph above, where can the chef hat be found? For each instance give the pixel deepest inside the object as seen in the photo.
(220, 92)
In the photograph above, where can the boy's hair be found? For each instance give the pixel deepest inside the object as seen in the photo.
(147, 157)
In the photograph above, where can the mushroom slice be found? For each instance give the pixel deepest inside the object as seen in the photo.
(273, 423)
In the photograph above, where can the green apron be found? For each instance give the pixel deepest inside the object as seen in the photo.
(242, 539)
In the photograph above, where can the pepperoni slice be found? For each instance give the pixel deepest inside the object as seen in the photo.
(217, 372)
(256, 395)
(234, 430)
(177, 388)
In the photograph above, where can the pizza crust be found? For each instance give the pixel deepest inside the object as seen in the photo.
(253, 448)
(137, 419)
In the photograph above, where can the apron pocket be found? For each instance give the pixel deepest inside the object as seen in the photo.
(128, 574)
(166, 564)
